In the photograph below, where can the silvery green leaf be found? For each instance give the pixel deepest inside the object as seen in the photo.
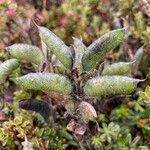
(79, 49)
(25, 52)
(48, 82)
(108, 85)
(120, 68)
(6, 68)
(97, 51)
(57, 46)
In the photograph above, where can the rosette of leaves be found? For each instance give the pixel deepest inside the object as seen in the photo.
(77, 80)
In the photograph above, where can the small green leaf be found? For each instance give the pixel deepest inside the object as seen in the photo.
(107, 85)
(25, 52)
(97, 51)
(59, 67)
(79, 49)
(6, 68)
(18, 120)
(48, 82)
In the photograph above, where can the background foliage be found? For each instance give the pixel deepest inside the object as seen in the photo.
(128, 126)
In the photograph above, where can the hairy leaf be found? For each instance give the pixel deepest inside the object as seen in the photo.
(107, 85)
(121, 68)
(25, 52)
(48, 82)
(6, 68)
(57, 46)
(79, 49)
(37, 106)
(97, 51)
(137, 58)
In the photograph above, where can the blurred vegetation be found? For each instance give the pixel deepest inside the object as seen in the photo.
(128, 126)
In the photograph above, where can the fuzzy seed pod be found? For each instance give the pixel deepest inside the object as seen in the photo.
(6, 68)
(48, 82)
(25, 52)
(121, 68)
(107, 85)
(57, 46)
(97, 51)
(87, 111)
